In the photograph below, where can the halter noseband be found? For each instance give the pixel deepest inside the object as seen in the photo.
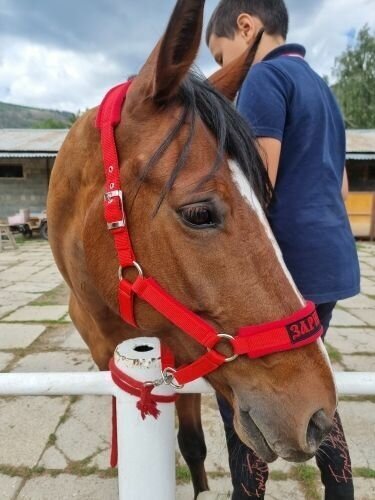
(297, 330)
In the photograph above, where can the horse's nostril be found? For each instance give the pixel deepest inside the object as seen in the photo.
(319, 426)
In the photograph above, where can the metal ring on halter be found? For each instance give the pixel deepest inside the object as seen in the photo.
(135, 265)
(226, 336)
(168, 376)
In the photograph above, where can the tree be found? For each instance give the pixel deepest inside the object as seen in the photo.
(354, 71)
(50, 123)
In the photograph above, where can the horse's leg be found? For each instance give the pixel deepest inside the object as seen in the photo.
(191, 439)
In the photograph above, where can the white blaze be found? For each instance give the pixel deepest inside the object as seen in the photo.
(248, 194)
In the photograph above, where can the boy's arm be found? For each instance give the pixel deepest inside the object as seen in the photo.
(269, 149)
(263, 102)
(345, 185)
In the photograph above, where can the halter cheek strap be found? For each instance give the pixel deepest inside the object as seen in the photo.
(108, 117)
(298, 330)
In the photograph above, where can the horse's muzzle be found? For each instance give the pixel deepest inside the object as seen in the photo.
(318, 428)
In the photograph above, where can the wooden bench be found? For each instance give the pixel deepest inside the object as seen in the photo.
(6, 237)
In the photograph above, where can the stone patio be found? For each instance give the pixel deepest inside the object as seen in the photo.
(58, 447)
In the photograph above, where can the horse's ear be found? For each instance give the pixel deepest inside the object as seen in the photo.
(178, 48)
(228, 80)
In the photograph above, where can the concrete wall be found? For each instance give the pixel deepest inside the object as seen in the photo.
(27, 192)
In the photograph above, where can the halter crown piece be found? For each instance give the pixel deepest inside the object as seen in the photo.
(297, 330)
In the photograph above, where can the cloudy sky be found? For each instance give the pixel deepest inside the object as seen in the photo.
(65, 54)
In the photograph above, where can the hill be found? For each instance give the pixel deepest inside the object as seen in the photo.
(15, 116)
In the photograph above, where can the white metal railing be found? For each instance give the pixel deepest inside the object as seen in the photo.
(146, 448)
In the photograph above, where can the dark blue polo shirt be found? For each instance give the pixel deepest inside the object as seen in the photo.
(283, 98)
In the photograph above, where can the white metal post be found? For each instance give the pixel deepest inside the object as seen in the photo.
(146, 448)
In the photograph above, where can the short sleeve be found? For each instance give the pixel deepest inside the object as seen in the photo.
(263, 100)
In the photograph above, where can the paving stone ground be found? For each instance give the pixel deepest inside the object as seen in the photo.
(58, 447)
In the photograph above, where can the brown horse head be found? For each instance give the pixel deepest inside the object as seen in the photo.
(194, 188)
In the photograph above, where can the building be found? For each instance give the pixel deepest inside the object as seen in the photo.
(27, 157)
(360, 159)
(360, 165)
(26, 161)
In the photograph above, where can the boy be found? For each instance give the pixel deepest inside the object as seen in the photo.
(301, 138)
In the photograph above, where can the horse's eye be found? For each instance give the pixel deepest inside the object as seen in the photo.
(199, 216)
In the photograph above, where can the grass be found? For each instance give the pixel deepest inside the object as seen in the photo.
(22, 471)
(81, 468)
(52, 439)
(358, 399)
(218, 473)
(278, 475)
(364, 472)
(182, 474)
(307, 476)
(334, 355)
(38, 470)
(46, 322)
(21, 241)
(56, 296)
(108, 473)
(12, 471)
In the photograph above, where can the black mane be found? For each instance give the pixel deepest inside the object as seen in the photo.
(233, 135)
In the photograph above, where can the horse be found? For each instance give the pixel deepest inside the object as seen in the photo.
(195, 195)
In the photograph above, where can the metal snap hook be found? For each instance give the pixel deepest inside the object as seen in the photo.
(168, 377)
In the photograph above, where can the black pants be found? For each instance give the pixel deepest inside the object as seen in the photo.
(250, 473)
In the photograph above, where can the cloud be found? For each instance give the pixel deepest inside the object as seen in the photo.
(326, 33)
(121, 29)
(65, 55)
(40, 76)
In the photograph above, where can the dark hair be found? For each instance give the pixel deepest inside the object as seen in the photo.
(199, 99)
(272, 13)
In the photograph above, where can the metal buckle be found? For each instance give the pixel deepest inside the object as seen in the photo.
(226, 336)
(135, 265)
(108, 197)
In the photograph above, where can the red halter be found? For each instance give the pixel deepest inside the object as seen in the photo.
(299, 329)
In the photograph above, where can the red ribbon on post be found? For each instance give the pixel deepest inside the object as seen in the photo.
(147, 403)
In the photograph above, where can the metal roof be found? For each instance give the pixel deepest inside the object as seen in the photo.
(27, 154)
(360, 156)
(31, 140)
(360, 141)
(44, 141)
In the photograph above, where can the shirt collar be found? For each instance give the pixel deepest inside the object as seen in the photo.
(286, 49)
